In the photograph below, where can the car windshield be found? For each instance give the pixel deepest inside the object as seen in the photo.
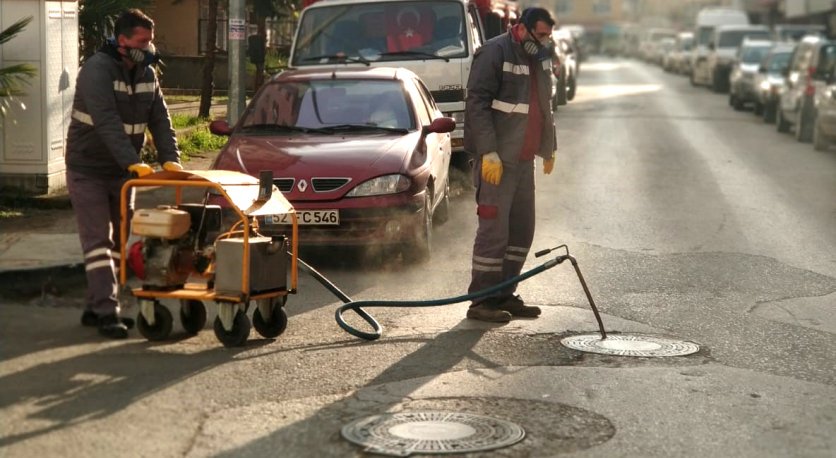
(381, 32)
(733, 38)
(753, 54)
(779, 61)
(328, 105)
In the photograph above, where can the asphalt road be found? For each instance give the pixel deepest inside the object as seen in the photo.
(688, 219)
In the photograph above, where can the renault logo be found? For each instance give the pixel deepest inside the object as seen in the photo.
(302, 186)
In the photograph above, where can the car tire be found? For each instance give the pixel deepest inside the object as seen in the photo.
(716, 83)
(758, 109)
(781, 124)
(573, 86)
(442, 211)
(691, 78)
(738, 104)
(820, 141)
(804, 126)
(769, 113)
(561, 88)
(418, 250)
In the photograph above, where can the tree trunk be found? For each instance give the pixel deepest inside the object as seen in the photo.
(259, 67)
(208, 85)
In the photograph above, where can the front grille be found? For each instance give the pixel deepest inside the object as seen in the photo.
(328, 184)
(284, 184)
(449, 95)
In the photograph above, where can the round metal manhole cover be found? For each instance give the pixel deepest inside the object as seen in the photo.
(630, 345)
(431, 432)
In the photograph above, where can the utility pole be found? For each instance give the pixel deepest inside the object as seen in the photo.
(237, 62)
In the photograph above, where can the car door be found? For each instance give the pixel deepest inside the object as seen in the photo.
(438, 145)
(796, 79)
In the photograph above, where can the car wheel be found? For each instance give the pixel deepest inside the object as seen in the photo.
(769, 113)
(561, 88)
(781, 124)
(738, 104)
(419, 248)
(573, 86)
(758, 109)
(691, 77)
(732, 100)
(442, 212)
(820, 142)
(804, 127)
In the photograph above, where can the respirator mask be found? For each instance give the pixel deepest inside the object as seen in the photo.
(533, 46)
(145, 56)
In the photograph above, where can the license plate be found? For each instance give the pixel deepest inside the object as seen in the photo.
(310, 217)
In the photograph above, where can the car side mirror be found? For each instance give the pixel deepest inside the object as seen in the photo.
(220, 127)
(440, 126)
(711, 46)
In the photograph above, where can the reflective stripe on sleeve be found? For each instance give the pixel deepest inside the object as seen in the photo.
(505, 107)
(82, 117)
(515, 69)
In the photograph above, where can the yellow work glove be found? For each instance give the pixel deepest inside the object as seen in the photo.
(548, 166)
(172, 166)
(491, 168)
(140, 170)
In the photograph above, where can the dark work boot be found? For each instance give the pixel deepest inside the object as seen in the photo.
(487, 311)
(111, 326)
(90, 319)
(515, 306)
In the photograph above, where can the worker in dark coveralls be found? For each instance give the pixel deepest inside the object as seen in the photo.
(508, 121)
(117, 98)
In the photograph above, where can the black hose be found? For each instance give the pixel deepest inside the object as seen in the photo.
(356, 306)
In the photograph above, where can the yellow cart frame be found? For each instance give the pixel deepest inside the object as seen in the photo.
(242, 193)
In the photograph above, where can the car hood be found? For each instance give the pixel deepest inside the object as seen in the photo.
(304, 157)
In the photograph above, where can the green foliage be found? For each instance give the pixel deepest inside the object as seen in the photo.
(200, 140)
(179, 121)
(13, 77)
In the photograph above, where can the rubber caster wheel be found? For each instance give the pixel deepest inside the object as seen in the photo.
(192, 316)
(237, 335)
(162, 324)
(275, 327)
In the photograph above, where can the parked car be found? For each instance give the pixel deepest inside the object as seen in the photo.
(795, 32)
(742, 80)
(362, 154)
(708, 19)
(723, 48)
(824, 129)
(770, 80)
(679, 59)
(564, 67)
(810, 64)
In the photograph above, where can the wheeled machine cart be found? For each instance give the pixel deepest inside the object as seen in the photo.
(187, 252)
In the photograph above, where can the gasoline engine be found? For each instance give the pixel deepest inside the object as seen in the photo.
(176, 243)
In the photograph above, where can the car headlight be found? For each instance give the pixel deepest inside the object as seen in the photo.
(765, 85)
(387, 184)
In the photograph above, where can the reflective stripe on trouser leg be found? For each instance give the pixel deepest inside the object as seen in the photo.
(94, 200)
(511, 199)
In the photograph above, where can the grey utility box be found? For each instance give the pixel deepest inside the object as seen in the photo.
(268, 265)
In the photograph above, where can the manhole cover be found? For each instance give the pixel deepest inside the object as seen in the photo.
(630, 345)
(431, 432)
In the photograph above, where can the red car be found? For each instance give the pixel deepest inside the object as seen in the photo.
(362, 154)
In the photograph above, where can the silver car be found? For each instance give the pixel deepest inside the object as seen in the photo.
(811, 62)
(770, 80)
(824, 129)
(742, 88)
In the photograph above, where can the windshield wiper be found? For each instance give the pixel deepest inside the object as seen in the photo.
(399, 130)
(338, 57)
(415, 53)
(280, 128)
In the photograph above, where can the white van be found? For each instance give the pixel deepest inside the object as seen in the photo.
(435, 39)
(722, 51)
(707, 20)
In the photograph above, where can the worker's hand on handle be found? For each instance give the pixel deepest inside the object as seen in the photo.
(140, 170)
(172, 166)
(492, 168)
(548, 166)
